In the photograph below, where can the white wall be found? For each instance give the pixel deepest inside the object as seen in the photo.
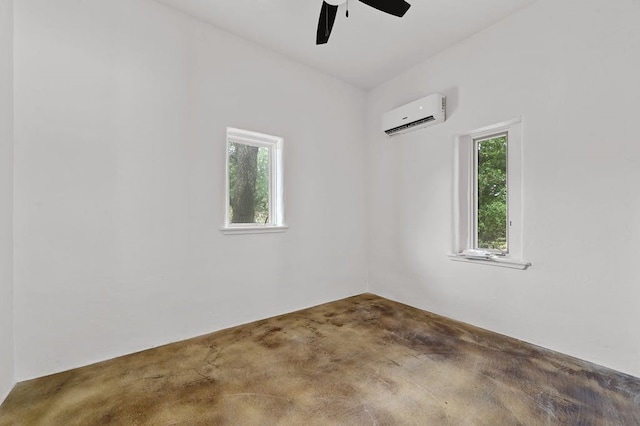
(570, 68)
(6, 198)
(120, 115)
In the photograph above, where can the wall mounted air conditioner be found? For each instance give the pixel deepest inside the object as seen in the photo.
(415, 115)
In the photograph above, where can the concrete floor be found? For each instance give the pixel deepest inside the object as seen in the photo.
(359, 361)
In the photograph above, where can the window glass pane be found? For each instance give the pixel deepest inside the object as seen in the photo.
(492, 192)
(248, 184)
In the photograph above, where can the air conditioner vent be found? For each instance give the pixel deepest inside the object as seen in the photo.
(409, 125)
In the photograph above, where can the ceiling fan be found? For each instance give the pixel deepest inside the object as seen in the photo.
(330, 10)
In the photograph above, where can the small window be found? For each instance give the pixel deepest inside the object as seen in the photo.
(488, 199)
(254, 193)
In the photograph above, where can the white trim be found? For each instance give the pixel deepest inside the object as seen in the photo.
(516, 189)
(492, 129)
(253, 230)
(252, 137)
(494, 261)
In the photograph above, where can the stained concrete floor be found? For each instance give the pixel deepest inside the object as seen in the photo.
(359, 361)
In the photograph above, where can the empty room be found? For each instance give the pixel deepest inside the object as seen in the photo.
(308, 212)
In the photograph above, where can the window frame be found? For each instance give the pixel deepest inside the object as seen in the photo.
(476, 198)
(274, 145)
(465, 194)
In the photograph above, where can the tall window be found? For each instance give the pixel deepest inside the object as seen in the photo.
(488, 196)
(254, 182)
(491, 181)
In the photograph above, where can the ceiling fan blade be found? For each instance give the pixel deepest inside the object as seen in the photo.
(392, 7)
(325, 23)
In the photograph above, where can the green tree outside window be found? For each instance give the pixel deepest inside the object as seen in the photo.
(492, 193)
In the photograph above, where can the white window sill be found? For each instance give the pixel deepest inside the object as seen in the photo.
(502, 262)
(238, 230)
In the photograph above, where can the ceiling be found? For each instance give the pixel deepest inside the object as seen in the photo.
(366, 49)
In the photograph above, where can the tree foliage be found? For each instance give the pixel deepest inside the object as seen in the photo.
(248, 183)
(492, 193)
